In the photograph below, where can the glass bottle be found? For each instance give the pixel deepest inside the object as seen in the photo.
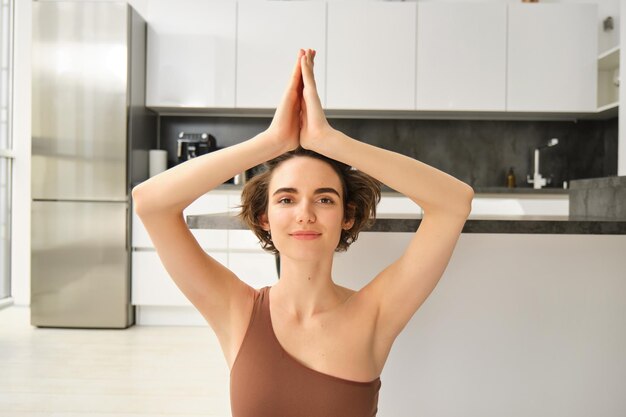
(510, 179)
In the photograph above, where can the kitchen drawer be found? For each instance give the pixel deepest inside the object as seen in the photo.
(257, 269)
(234, 200)
(152, 285)
(531, 205)
(243, 239)
(397, 205)
(208, 203)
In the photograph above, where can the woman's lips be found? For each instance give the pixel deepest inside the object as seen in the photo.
(305, 235)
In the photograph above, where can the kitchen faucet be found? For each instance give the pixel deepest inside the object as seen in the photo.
(538, 181)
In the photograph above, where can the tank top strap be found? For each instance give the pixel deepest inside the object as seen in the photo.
(262, 311)
(259, 327)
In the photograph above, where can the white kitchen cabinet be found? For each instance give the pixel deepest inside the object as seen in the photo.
(243, 240)
(461, 56)
(191, 53)
(509, 205)
(153, 286)
(269, 36)
(371, 55)
(255, 268)
(552, 57)
(397, 204)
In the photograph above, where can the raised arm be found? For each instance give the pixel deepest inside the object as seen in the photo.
(223, 299)
(176, 188)
(399, 290)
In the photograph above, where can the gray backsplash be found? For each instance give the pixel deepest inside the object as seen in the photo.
(478, 152)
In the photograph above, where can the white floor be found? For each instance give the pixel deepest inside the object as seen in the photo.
(140, 371)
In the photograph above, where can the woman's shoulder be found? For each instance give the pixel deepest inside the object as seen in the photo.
(346, 293)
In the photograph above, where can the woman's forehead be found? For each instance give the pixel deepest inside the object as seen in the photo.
(304, 173)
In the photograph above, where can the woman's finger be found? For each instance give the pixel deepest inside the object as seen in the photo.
(310, 87)
(307, 70)
(296, 76)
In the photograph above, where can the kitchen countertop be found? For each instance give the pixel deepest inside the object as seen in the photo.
(521, 224)
(477, 190)
(519, 190)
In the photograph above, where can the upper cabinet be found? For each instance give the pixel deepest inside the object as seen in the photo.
(379, 55)
(461, 56)
(552, 57)
(371, 55)
(269, 36)
(191, 53)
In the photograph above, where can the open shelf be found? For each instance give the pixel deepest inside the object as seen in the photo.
(608, 107)
(608, 72)
(609, 59)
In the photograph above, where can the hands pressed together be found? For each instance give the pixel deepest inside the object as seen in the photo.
(299, 119)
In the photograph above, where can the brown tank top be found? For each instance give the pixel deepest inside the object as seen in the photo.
(265, 381)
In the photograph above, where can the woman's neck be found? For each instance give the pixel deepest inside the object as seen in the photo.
(305, 288)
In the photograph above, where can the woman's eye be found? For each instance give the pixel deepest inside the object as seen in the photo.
(326, 200)
(285, 200)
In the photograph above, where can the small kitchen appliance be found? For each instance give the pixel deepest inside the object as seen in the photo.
(192, 145)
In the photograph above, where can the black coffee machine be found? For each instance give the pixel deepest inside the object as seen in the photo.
(191, 145)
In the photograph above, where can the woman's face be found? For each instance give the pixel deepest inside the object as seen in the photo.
(305, 208)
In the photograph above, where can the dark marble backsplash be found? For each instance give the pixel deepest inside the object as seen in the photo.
(479, 152)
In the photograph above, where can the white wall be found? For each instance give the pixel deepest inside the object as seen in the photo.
(20, 227)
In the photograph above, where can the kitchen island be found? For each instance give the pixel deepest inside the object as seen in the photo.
(529, 316)
(534, 224)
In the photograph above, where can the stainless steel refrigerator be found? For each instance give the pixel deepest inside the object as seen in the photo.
(91, 135)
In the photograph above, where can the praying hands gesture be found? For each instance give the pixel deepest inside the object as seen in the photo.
(299, 119)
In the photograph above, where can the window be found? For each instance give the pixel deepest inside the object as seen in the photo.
(6, 144)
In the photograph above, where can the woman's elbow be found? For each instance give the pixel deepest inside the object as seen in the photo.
(465, 202)
(470, 198)
(138, 199)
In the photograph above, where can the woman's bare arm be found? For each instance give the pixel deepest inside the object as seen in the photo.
(399, 290)
(224, 300)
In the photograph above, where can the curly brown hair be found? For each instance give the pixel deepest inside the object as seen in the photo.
(361, 194)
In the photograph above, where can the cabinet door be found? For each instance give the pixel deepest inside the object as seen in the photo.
(269, 36)
(191, 53)
(542, 205)
(257, 269)
(461, 56)
(397, 204)
(552, 57)
(153, 286)
(371, 55)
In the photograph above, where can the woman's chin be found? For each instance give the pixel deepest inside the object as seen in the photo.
(306, 254)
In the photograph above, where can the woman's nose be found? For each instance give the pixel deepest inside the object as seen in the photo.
(305, 214)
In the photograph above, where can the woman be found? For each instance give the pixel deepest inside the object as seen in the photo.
(322, 348)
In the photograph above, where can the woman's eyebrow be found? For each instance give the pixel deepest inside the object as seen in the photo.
(286, 190)
(328, 190)
(292, 190)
